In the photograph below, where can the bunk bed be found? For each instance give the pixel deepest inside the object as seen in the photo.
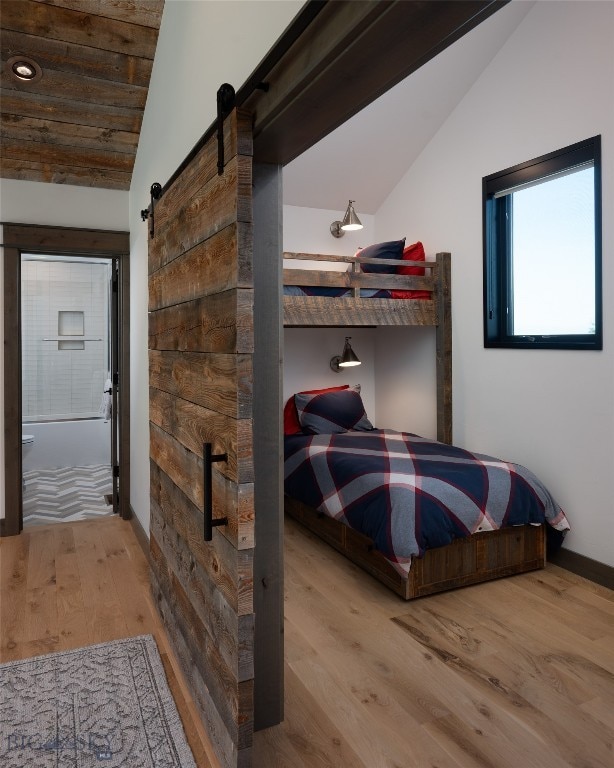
(483, 555)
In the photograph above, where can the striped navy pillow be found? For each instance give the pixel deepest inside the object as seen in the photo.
(392, 249)
(332, 412)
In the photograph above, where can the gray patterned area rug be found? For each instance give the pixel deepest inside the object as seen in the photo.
(104, 705)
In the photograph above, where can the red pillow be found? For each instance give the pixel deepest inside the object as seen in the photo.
(413, 252)
(291, 422)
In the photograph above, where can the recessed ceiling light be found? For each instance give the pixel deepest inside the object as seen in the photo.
(24, 69)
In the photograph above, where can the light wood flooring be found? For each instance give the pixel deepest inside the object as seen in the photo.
(67, 585)
(518, 673)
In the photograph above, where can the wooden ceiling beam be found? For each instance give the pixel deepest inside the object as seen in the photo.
(80, 122)
(73, 26)
(35, 152)
(26, 170)
(77, 59)
(146, 14)
(351, 54)
(17, 127)
(335, 58)
(76, 88)
(66, 111)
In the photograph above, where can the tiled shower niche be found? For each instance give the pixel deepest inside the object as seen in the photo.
(71, 324)
(65, 338)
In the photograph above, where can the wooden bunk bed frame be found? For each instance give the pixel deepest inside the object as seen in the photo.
(478, 558)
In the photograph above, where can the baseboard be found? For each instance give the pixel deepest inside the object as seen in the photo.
(584, 566)
(139, 532)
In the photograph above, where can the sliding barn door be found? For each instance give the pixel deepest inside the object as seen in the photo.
(201, 341)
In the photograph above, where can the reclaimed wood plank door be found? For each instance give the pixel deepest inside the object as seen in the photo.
(201, 348)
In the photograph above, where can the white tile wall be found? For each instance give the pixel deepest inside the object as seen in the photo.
(63, 383)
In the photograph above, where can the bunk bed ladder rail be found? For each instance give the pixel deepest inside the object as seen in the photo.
(442, 298)
(354, 278)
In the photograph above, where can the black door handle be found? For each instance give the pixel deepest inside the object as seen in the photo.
(208, 459)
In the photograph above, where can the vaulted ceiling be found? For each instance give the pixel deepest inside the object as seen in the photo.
(366, 157)
(79, 122)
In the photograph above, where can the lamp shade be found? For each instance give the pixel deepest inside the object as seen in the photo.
(348, 356)
(346, 359)
(350, 220)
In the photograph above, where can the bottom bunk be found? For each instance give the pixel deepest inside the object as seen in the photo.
(477, 558)
(421, 515)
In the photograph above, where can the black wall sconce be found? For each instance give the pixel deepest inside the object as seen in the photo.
(346, 359)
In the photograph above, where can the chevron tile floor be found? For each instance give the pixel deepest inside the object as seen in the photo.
(66, 494)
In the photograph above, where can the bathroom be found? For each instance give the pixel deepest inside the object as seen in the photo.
(66, 389)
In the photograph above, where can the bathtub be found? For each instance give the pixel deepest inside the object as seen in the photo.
(66, 444)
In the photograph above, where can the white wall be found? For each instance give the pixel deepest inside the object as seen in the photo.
(551, 85)
(201, 45)
(307, 230)
(307, 351)
(61, 205)
(405, 380)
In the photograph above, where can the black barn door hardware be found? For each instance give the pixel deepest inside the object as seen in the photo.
(225, 105)
(208, 459)
(155, 193)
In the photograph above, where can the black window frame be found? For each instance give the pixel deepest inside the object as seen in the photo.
(496, 238)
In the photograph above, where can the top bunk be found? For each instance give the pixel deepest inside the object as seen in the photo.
(353, 307)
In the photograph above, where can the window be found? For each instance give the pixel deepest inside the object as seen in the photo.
(542, 251)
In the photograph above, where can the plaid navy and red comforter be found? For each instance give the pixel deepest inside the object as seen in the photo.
(409, 494)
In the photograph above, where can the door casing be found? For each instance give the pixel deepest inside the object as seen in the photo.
(28, 238)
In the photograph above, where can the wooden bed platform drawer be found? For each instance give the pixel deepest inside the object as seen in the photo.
(479, 558)
(329, 530)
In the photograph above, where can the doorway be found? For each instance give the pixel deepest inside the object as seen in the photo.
(66, 383)
(69, 426)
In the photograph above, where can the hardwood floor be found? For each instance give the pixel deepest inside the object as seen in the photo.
(66, 585)
(518, 673)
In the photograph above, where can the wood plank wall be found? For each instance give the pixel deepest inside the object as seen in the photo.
(201, 345)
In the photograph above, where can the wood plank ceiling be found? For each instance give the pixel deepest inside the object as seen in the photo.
(79, 123)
